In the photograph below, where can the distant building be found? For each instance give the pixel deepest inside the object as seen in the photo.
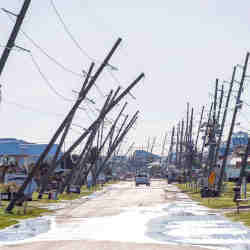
(24, 152)
(239, 139)
(146, 156)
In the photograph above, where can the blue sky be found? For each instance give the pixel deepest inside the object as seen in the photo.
(182, 46)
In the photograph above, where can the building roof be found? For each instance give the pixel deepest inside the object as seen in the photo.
(15, 147)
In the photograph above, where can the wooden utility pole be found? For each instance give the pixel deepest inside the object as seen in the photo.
(225, 115)
(170, 152)
(117, 141)
(153, 145)
(236, 108)
(61, 127)
(14, 33)
(101, 117)
(206, 132)
(212, 136)
(163, 145)
(177, 144)
(244, 164)
(199, 128)
(220, 105)
(181, 143)
(190, 146)
(187, 125)
(53, 164)
(94, 127)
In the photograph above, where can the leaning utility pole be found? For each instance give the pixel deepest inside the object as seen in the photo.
(187, 125)
(190, 146)
(199, 128)
(163, 145)
(61, 127)
(177, 144)
(117, 141)
(14, 33)
(181, 143)
(244, 164)
(102, 115)
(170, 152)
(220, 105)
(53, 165)
(206, 132)
(212, 136)
(236, 108)
(225, 115)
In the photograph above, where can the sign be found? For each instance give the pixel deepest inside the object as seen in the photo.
(211, 178)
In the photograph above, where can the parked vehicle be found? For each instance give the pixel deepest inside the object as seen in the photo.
(142, 179)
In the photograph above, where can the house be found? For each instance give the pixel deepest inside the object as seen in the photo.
(24, 153)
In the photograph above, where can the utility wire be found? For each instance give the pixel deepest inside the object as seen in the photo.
(51, 86)
(69, 33)
(21, 106)
(77, 44)
(44, 52)
(118, 82)
(25, 107)
(47, 81)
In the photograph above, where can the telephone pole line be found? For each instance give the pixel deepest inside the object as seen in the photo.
(236, 108)
(14, 33)
(225, 115)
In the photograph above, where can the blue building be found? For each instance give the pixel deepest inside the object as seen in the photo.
(238, 139)
(24, 152)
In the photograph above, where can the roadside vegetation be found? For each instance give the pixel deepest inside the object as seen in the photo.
(32, 209)
(223, 202)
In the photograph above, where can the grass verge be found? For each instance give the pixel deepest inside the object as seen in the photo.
(243, 216)
(33, 209)
(18, 213)
(225, 201)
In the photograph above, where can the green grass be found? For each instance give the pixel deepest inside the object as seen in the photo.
(224, 201)
(243, 217)
(33, 209)
(7, 219)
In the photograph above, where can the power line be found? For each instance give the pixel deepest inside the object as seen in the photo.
(45, 53)
(25, 107)
(118, 82)
(63, 67)
(69, 33)
(47, 81)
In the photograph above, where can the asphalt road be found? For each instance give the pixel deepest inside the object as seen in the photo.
(107, 222)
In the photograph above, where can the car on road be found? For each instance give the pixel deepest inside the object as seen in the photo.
(142, 179)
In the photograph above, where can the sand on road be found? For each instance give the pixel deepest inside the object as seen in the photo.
(113, 202)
